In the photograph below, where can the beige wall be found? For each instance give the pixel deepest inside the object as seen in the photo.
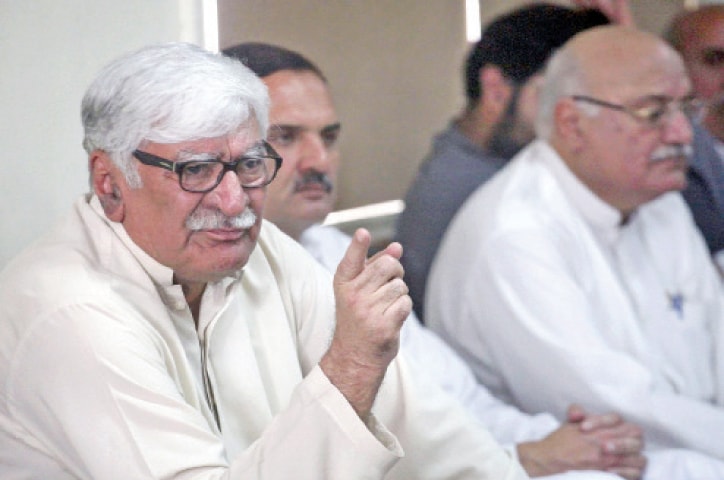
(651, 15)
(49, 52)
(394, 67)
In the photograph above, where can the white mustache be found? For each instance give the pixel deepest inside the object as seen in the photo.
(214, 220)
(668, 151)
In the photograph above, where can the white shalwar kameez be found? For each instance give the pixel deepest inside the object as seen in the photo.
(551, 299)
(433, 361)
(104, 374)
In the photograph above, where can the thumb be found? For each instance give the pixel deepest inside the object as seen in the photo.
(576, 413)
(355, 257)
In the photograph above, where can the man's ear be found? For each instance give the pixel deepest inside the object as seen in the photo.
(495, 89)
(104, 181)
(567, 123)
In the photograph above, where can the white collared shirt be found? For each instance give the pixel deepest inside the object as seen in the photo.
(552, 300)
(105, 376)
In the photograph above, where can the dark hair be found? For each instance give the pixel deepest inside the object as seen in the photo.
(265, 59)
(520, 42)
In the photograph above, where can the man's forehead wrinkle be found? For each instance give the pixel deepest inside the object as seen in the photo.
(188, 153)
(208, 152)
(255, 148)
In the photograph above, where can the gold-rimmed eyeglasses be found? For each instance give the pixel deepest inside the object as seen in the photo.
(653, 111)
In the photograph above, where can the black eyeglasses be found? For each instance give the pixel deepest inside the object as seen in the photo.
(200, 176)
(654, 111)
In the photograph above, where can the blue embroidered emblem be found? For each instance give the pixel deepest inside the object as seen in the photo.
(676, 303)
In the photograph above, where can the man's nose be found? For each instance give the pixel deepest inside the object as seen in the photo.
(314, 154)
(229, 196)
(677, 129)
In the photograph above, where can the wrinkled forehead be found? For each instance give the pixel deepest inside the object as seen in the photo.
(246, 138)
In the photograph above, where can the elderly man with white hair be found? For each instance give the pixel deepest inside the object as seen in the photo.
(577, 273)
(163, 330)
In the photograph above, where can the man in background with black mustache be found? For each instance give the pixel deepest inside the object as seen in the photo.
(501, 72)
(305, 134)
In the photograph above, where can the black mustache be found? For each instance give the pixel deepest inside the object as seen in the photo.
(314, 177)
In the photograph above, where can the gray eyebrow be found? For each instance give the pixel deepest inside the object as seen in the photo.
(189, 156)
(255, 150)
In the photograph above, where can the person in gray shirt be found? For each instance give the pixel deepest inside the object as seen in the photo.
(501, 75)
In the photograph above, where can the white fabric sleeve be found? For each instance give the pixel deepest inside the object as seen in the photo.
(429, 356)
(564, 357)
(108, 408)
(439, 438)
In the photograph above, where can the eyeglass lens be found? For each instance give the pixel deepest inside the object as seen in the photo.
(663, 110)
(205, 175)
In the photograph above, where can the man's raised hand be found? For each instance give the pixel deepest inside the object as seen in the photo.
(372, 304)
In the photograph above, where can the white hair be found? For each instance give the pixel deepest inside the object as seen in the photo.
(169, 93)
(564, 76)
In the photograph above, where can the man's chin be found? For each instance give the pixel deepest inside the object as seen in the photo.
(228, 267)
(226, 253)
(676, 180)
(310, 204)
(316, 213)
